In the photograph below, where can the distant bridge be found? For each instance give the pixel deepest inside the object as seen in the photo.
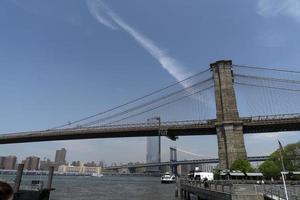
(183, 162)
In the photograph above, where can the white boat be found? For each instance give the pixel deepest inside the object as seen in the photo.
(96, 175)
(168, 178)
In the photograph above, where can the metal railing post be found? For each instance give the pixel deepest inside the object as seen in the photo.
(18, 177)
(50, 177)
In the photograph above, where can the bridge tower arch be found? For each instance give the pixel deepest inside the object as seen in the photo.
(229, 127)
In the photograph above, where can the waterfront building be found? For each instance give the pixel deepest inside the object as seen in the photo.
(90, 164)
(8, 162)
(31, 163)
(101, 164)
(76, 163)
(60, 156)
(81, 169)
(44, 165)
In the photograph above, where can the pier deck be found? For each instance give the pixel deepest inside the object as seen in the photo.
(235, 190)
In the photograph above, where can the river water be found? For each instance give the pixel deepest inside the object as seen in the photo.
(111, 188)
(106, 188)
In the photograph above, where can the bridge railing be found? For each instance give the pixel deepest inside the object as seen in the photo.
(169, 124)
(269, 189)
(272, 117)
(224, 187)
(162, 124)
(177, 124)
(276, 191)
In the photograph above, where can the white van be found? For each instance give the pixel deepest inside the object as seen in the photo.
(203, 176)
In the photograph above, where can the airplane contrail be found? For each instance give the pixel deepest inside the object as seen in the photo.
(110, 19)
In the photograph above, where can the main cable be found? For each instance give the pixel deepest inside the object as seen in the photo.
(266, 68)
(131, 101)
(151, 109)
(267, 78)
(149, 103)
(269, 87)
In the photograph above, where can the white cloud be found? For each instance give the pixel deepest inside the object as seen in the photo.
(99, 10)
(110, 19)
(270, 8)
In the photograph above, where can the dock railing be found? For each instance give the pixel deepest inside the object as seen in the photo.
(225, 189)
(218, 186)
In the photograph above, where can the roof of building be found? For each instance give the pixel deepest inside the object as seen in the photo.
(254, 174)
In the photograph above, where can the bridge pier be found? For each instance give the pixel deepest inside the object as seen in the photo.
(229, 128)
(173, 158)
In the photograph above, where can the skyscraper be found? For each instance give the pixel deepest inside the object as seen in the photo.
(31, 163)
(60, 156)
(153, 143)
(152, 153)
(152, 150)
(10, 162)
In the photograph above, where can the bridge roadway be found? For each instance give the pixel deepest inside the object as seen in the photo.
(259, 124)
(183, 162)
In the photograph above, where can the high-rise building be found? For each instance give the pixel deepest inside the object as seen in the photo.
(60, 156)
(45, 164)
(31, 163)
(152, 152)
(9, 162)
(101, 164)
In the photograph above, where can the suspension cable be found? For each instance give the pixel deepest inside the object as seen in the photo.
(269, 87)
(152, 101)
(266, 68)
(194, 154)
(131, 101)
(149, 110)
(267, 78)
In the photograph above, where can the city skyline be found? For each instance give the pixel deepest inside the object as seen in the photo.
(105, 56)
(34, 162)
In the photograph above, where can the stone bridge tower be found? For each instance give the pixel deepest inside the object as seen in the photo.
(229, 127)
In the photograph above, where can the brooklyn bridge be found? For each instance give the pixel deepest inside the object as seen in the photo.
(226, 100)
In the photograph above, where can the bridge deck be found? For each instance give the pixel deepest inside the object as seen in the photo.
(169, 129)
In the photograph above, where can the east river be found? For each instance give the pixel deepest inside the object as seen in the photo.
(111, 188)
(107, 188)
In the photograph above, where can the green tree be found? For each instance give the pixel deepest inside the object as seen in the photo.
(273, 166)
(242, 165)
(269, 169)
(290, 154)
(275, 157)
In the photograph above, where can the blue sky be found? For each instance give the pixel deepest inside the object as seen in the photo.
(61, 60)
